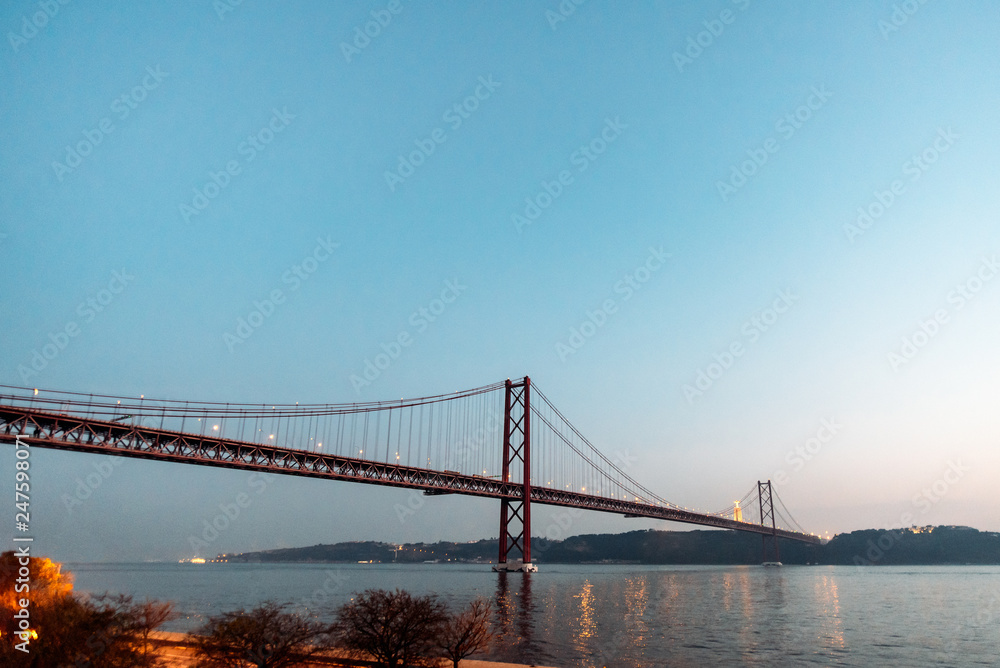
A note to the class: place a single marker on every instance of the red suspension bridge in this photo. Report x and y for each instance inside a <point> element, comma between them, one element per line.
<point>505,441</point>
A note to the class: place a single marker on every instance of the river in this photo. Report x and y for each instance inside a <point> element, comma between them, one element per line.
<point>635,616</point>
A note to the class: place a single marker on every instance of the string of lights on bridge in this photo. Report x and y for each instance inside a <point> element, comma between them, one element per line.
<point>459,432</point>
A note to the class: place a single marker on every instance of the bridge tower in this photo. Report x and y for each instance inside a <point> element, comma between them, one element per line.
<point>766,500</point>
<point>515,512</point>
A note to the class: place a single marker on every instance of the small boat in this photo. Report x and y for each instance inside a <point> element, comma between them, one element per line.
<point>515,565</point>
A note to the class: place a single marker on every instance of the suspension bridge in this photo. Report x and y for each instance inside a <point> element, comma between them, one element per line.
<point>505,441</point>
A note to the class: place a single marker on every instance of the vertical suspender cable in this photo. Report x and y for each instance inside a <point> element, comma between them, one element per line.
<point>409,441</point>
<point>388,435</point>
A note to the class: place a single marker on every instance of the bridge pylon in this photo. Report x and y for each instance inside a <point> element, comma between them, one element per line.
<point>766,500</point>
<point>515,511</point>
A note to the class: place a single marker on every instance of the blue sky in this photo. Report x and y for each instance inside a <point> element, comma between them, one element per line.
<point>881,103</point>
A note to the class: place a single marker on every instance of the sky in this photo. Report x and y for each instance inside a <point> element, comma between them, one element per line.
<point>779,219</point>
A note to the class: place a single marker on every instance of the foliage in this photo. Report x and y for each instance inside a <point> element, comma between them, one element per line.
<point>395,628</point>
<point>139,620</point>
<point>466,633</point>
<point>46,581</point>
<point>266,637</point>
<point>108,631</point>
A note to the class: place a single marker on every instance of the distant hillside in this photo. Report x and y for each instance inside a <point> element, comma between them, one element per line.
<point>915,546</point>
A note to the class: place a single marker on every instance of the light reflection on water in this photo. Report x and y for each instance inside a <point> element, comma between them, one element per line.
<point>636,616</point>
<point>587,624</point>
<point>828,604</point>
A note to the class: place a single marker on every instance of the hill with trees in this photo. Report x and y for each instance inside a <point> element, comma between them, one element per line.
<point>910,546</point>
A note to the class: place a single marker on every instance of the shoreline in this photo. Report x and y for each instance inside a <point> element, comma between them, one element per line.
<point>177,652</point>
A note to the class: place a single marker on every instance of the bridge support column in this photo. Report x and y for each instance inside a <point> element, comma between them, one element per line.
<point>766,499</point>
<point>515,510</point>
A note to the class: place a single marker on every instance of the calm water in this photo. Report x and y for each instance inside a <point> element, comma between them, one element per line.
<point>637,616</point>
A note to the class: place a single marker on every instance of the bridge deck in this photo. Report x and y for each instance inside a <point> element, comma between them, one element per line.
<point>82,434</point>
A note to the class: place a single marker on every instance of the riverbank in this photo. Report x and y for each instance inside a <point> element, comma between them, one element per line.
<point>177,652</point>
<point>641,616</point>
<point>924,546</point>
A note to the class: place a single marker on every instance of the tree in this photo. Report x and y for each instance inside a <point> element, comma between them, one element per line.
<point>265,637</point>
<point>137,621</point>
<point>394,627</point>
<point>46,581</point>
<point>466,633</point>
<point>67,630</point>
<point>108,631</point>
<point>88,632</point>
<point>150,615</point>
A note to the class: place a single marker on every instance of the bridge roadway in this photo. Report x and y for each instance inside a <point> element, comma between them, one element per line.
<point>82,434</point>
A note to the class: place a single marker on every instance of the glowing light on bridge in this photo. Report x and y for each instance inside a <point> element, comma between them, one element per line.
<point>422,430</point>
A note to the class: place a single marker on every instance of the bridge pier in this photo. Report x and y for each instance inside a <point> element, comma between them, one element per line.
<point>515,511</point>
<point>766,500</point>
<point>117,425</point>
